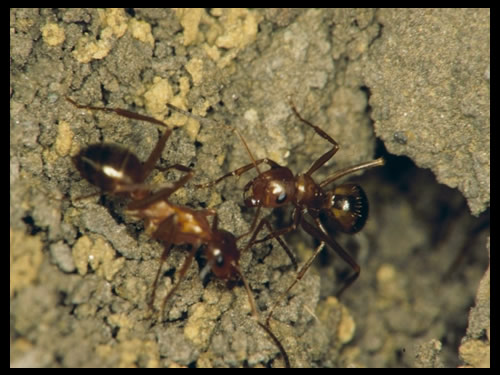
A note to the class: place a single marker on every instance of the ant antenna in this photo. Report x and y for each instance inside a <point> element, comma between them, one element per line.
<point>231,128</point>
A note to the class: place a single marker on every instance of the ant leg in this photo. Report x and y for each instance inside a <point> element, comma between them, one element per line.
<point>325,157</point>
<point>323,236</point>
<point>297,219</point>
<point>87,196</point>
<point>119,111</point>
<point>179,167</point>
<point>251,299</point>
<point>274,234</point>
<point>367,165</point>
<point>233,129</point>
<point>164,256</point>
<point>255,314</point>
<point>238,172</point>
<point>182,273</point>
<point>133,188</point>
<point>160,194</point>
<point>155,155</point>
<point>252,226</point>
<point>299,276</point>
<point>277,342</point>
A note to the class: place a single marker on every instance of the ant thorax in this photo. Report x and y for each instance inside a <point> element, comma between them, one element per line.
<point>308,193</point>
<point>188,222</point>
<point>153,215</point>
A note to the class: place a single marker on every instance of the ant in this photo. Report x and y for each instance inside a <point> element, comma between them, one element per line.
<point>176,225</point>
<point>116,170</point>
<point>344,207</point>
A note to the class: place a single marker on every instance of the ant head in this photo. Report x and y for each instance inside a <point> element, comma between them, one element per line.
<point>273,188</point>
<point>347,207</point>
<point>223,255</point>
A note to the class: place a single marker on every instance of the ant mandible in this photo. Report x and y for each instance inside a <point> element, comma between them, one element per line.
<point>345,206</point>
<point>117,171</point>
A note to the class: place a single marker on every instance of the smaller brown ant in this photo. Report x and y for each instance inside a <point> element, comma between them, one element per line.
<point>177,225</point>
<point>118,171</point>
<point>345,207</point>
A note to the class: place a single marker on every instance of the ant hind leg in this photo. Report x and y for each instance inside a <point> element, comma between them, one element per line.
<point>182,273</point>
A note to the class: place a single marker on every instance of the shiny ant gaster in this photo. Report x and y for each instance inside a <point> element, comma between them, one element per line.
<point>345,207</point>
<point>117,171</point>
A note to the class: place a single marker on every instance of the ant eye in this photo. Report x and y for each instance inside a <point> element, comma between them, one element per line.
<point>281,198</point>
<point>219,260</point>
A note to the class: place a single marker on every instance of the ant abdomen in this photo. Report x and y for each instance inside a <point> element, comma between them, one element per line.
<point>109,167</point>
<point>348,208</point>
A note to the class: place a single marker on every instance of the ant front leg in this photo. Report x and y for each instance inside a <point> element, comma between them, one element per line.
<point>238,172</point>
<point>325,157</point>
<point>276,234</point>
<point>179,167</point>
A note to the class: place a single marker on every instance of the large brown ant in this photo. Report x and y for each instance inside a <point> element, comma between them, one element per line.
<point>345,207</point>
<point>115,170</point>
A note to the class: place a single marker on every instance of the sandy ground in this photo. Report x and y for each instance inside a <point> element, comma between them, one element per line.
<point>409,85</point>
